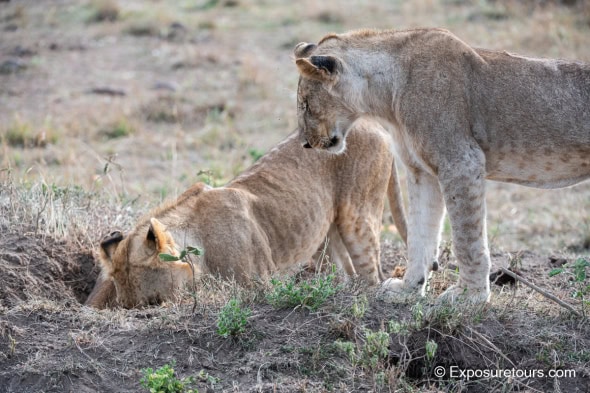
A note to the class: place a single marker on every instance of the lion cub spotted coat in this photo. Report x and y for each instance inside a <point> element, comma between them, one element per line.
<point>270,218</point>
<point>458,116</point>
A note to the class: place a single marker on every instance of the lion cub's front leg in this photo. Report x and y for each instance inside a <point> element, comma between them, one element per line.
<point>426,211</point>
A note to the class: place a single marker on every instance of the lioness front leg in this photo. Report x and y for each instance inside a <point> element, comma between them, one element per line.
<point>426,210</point>
<point>463,186</point>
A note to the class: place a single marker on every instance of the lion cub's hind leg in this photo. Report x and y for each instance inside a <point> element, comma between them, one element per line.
<point>360,235</point>
<point>337,252</point>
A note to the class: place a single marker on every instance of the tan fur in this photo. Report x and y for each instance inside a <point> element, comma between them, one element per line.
<point>269,219</point>
<point>103,294</point>
<point>458,115</point>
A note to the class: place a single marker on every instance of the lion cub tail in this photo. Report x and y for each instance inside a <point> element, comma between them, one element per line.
<point>396,205</point>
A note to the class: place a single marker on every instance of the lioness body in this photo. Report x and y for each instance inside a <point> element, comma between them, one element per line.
<point>269,219</point>
<point>458,116</point>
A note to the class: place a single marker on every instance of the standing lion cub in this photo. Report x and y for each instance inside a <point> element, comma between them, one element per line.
<point>459,116</point>
<point>270,218</point>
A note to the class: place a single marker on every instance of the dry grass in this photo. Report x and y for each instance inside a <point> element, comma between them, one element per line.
<point>243,65</point>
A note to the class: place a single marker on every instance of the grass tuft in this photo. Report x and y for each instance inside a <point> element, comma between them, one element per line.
<point>120,128</point>
<point>309,294</point>
<point>104,11</point>
<point>232,319</point>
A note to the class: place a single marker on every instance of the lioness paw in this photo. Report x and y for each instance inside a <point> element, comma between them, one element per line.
<point>394,290</point>
<point>456,294</point>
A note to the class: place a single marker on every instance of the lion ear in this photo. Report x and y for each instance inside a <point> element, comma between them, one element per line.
<point>160,238</point>
<point>321,68</point>
<point>108,246</point>
<point>303,49</point>
<point>109,243</point>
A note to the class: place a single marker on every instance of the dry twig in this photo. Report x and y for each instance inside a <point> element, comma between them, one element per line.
<point>541,291</point>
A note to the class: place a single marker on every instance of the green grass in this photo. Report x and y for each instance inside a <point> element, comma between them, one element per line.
<point>119,129</point>
<point>233,319</point>
<point>308,294</point>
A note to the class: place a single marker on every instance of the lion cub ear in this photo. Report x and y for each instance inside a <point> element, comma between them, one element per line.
<point>320,68</point>
<point>160,238</point>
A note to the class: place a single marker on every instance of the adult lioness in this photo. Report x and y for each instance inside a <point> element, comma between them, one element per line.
<point>270,218</point>
<point>459,115</point>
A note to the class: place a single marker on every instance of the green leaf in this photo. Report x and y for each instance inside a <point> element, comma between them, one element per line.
<point>555,272</point>
<point>580,269</point>
<point>168,258</point>
<point>194,250</point>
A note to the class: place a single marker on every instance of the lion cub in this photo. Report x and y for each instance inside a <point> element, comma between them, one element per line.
<point>269,219</point>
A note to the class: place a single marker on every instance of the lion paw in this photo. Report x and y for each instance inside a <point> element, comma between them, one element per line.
<point>394,290</point>
<point>456,294</point>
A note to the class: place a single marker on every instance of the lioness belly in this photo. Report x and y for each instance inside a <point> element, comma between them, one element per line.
<point>541,168</point>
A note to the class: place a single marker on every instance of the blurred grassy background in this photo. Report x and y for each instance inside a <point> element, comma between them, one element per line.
<point>136,100</point>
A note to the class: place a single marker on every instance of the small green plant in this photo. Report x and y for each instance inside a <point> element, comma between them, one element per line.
<point>370,354</point>
<point>359,306</point>
<point>232,319</point>
<point>579,273</point>
<point>375,349</point>
<point>209,379</point>
<point>418,315</point>
<point>401,328</point>
<point>255,154</point>
<point>119,129</point>
<point>182,256</point>
<point>163,380</point>
<point>349,349</point>
<point>431,346</point>
<point>210,177</point>
<point>309,294</point>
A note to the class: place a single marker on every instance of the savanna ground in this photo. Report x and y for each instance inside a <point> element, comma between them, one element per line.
<point>108,107</point>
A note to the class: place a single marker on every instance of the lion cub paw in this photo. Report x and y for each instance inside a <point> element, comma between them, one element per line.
<point>393,290</point>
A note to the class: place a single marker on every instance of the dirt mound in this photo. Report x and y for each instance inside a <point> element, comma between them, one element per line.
<point>354,342</point>
<point>40,267</point>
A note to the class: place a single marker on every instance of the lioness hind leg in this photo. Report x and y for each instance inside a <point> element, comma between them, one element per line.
<point>463,187</point>
<point>426,210</point>
<point>361,238</point>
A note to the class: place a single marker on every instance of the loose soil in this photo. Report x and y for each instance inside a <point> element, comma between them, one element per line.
<point>52,343</point>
